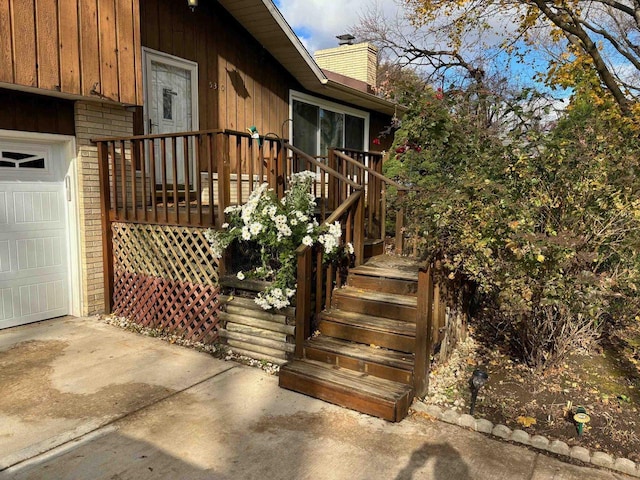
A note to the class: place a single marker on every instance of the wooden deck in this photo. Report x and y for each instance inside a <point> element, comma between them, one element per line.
<point>376,319</point>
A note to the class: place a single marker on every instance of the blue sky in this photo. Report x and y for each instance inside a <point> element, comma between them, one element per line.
<point>318,22</point>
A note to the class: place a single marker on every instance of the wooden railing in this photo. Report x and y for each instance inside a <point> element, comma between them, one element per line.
<point>183,178</point>
<point>350,214</point>
<point>366,168</point>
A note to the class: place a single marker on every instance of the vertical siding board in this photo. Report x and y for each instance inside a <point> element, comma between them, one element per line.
<point>108,49</point>
<point>165,39</point>
<point>6,57</point>
<point>47,44</point>
<point>257,96</point>
<point>223,115</point>
<point>201,51</point>
<point>149,31</point>
<point>178,11</point>
<point>89,52</point>
<point>24,45</point>
<point>69,47</point>
<point>137,53</point>
<point>213,109</point>
<point>126,54</point>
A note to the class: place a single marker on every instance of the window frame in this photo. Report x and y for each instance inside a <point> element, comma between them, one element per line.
<point>321,103</point>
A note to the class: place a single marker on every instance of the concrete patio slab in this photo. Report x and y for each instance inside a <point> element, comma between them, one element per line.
<point>224,421</point>
<point>64,378</point>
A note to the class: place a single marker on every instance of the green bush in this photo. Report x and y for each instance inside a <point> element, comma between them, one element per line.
<point>546,224</point>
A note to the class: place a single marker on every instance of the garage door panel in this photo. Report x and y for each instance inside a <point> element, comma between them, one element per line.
<point>37,207</point>
<point>34,271</point>
<point>30,300</point>
<point>4,213</point>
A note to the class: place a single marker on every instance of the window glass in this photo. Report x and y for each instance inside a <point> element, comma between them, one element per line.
<point>354,132</point>
<point>305,127</point>
<point>319,125</point>
<point>9,159</point>
<point>331,130</point>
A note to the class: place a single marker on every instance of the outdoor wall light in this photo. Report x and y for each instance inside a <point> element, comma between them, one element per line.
<point>192,4</point>
<point>476,382</point>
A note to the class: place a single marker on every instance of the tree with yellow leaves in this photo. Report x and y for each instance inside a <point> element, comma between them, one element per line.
<point>600,35</point>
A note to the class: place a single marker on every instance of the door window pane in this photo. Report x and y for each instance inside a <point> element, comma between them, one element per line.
<point>305,127</point>
<point>331,130</point>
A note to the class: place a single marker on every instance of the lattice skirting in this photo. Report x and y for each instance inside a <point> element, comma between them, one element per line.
<point>183,308</point>
<point>172,252</point>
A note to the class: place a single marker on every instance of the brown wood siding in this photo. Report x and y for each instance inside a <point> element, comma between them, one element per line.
<point>78,47</point>
<point>379,122</point>
<point>35,113</point>
<point>240,84</point>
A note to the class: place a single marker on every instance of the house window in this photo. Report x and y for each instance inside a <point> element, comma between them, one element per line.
<point>9,159</point>
<point>319,125</point>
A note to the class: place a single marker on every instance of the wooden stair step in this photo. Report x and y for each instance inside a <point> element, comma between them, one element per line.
<point>370,322</point>
<point>379,362</point>
<point>381,304</point>
<point>355,390</point>
<point>368,329</point>
<point>382,284</point>
<point>385,272</point>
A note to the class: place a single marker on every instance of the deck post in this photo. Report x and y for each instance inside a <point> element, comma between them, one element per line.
<point>224,177</point>
<point>424,334</point>
<point>303,299</point>
<point>400,224</point>
<point>358,230</point>
<point>105,213</point>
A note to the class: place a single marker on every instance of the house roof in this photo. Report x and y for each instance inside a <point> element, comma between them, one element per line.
<point>263,20</point>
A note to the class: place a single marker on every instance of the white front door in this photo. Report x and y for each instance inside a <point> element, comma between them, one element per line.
<point>34,234</point>
<point>171,94</point>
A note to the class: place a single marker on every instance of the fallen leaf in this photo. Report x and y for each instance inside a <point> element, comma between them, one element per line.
<point>526,421</point>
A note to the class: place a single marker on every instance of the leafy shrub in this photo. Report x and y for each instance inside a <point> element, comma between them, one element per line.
<point>545,224</point>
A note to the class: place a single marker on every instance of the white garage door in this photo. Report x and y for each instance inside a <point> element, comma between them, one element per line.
<point>34,271</point>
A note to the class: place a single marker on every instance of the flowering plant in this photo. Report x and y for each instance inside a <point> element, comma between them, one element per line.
<point>276,228</point>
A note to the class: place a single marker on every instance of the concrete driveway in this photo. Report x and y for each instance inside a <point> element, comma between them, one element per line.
<point>85,400</point>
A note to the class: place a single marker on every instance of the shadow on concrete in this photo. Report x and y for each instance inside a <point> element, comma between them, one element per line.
<point>111,456</point>
<point>447,463</point>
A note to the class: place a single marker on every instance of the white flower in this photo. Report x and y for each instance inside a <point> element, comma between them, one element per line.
<point>307,240</point>
<point>328,241</point>
<point>240,276</point>
<point>232,209</point>
<point>285,230</point>
<point>335,229</point>
<point>255,228</point>
<point>350,248</point>
<point>290,292</point>
<point>246,234</point>
<point>225,225</point>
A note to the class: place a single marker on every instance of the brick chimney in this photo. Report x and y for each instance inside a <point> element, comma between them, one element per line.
<point>356,61</point>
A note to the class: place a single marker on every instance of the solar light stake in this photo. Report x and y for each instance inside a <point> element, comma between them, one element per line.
<point>581,418</point>
<point>476,382</point>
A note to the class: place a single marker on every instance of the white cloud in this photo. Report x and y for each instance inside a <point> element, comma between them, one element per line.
<point>318,22</point>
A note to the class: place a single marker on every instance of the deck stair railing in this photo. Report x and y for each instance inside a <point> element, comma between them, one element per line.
<point>367,169</point>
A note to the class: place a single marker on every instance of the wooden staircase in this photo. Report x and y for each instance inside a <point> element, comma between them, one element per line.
<point>363,358</point>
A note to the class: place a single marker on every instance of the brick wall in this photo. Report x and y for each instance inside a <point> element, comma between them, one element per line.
<point>356,61</point>
<point>94,120</point>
